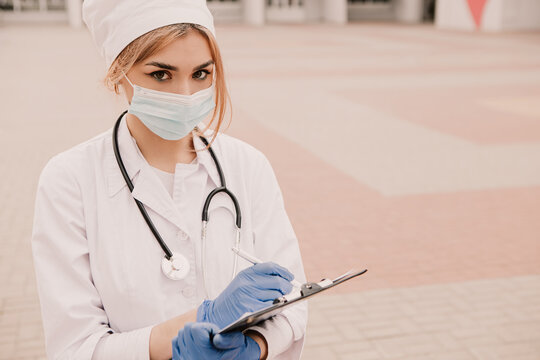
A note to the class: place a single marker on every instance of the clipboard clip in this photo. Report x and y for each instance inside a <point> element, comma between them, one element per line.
<point>310,288</point>
<point>306,289</point>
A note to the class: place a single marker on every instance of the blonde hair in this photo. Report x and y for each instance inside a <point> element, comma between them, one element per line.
<point>154,41</point>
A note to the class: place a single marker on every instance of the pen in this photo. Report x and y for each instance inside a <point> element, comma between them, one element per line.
<point>252,259</point>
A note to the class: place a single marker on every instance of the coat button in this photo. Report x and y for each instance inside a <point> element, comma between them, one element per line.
<point>188,291</point>
<point>182,235</point>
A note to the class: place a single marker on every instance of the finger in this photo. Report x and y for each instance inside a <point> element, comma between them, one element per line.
<point>277,283</point>
<point>176,343</point>
<point>229,341</point>
<point>184,345</point>
<point>201,332</point>
<point>175,351</point>
<point>270,268</point>
<point>262,295</point>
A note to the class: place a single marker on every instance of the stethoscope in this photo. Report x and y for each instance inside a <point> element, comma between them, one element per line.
<point>174,265</point>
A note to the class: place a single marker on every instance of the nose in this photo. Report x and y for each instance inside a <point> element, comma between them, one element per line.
<point>183,87</point>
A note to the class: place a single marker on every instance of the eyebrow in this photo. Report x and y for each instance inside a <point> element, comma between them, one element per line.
<point>202,66</point>
<point>174,68</point>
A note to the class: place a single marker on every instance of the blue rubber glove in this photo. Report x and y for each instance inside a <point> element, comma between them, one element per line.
<point>197,341</point>
<point>243,347</point>
<point>252,289</point>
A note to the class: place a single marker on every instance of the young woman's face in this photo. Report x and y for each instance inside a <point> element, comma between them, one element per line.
<point>183,67</point>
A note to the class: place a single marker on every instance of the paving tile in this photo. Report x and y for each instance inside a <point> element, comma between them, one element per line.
<point>353,346</point>
<point>458,355</point>
<point>383,332</point>
<point>504,351</point>
<point>349,332</point>
<point>318,353</point>
<point>364,355</point>
<point>406,345</point>
<point>324,339</point>
<point>512,332</point>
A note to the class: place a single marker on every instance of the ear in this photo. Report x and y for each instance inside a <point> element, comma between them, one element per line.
<point>126,89</point>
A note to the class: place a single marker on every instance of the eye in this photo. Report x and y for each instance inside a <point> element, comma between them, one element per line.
<point>201,74</point>
<point>160,75</point>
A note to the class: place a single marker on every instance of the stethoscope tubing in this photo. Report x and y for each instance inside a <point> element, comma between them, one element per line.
<point>157,235</point>
<point>233,198</point>
<point>205,218</point>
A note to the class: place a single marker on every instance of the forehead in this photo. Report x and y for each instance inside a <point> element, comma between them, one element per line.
<point>190,49</point>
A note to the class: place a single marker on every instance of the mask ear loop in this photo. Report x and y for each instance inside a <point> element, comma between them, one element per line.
<point>130,83</point>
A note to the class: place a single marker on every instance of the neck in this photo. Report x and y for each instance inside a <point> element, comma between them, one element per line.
<point>158,152</point>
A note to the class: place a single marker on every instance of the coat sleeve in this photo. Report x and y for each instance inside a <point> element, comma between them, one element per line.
<point>74,321</point>
<point>276,241</point>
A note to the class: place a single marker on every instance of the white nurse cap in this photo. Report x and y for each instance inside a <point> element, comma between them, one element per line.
<point>114,24</point>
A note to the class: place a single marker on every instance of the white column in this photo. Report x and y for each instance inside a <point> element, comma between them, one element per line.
<point>17,6</point>
<point>74,9</point>
<point>254,12</point>
<point>42,4</point>
<point>409,11</point>
<point>314,10</point>
<point>452,14</point>
<point>335,11</point>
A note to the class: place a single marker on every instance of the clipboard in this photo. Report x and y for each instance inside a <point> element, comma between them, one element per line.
<point>308,290</point>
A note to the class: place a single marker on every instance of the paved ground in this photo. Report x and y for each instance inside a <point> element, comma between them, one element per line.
<point>474,320</point>
<point>403,149</point>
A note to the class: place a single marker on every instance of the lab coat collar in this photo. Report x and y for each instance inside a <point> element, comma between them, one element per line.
<point>147,187</point>
<point>134,160</point>
<point>149,190</point>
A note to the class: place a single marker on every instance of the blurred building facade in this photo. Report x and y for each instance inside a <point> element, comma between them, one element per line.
<point>486,15</point>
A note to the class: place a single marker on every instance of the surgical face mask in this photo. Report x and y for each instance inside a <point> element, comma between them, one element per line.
<point>168,115</point>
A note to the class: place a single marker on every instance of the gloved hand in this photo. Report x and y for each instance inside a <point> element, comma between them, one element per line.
<point>252,289</point>
<point>197,341</point>
<point>241,346</point>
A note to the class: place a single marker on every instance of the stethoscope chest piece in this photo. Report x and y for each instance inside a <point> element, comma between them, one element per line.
<point>176,268</point>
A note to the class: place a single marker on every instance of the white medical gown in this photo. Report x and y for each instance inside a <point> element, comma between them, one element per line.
<point>98,266</point>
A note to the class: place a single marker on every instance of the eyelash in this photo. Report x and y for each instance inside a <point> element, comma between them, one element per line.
<point>162,72</point>
<point>203,71</point>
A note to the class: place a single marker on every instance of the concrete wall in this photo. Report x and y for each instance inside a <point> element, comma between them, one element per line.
<point>496,15</point>
<point>520,15</point>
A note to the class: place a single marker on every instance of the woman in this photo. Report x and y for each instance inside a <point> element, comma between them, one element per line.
<point>107,289</point>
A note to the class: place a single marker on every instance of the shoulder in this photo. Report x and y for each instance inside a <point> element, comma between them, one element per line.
<point>246,162</point>
<point>76,161</point>
<point>238,153</point>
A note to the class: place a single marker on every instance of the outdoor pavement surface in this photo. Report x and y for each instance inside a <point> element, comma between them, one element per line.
<point>407,150</point>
